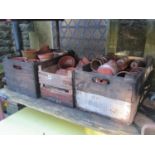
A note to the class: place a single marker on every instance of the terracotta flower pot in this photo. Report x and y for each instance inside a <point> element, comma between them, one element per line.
<point>46,56</point>
<point>66,61</point>
<point>122,63</point>
<point>44,49</point>
<point>85,61</point>
<point>105,71</point>
<point>136,64</point>
<point>109,68</point>
<point>82,62</point>
<point>97,62</point>
<point>30,54</point>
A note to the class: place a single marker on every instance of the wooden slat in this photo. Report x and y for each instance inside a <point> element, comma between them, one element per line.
<point>22,76</point>
<point>142,120</point>
<point>55,80</point>
<point>76,116</point>
<point>56,96</point>
<point>118,87</point>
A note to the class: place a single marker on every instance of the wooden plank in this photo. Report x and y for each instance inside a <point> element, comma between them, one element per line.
<point>142,121</point>
<point>82,118</point>
<point>55,80</point>
<point>105,106</point>
<point>118,87</point>
<point>56,96</point>
<point>21,76</point>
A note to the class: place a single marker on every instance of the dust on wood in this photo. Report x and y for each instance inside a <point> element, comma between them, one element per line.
<point>73,115</point>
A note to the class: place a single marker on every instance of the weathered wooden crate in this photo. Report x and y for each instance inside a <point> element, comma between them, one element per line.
<point>22,76</point>
<point>55,87</point>
<point>117,99</point>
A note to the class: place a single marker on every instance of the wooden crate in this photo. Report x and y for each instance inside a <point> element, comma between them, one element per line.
<point>22,76</point>
<point>54,87</point>
<point>118,99</point>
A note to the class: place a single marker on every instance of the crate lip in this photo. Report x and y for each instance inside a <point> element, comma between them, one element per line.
<point>22,62</point>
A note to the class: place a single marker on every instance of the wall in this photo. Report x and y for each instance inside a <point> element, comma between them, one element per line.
<point>132,36</point>
<point>34,34</point>
<point>150,42</point>
<point>86,37</point>
<point>6,42</point>
<point>150,45</point>
<point>41,35</point>
<point>25,28</point>
<point>127,35</point>
<point>112,37</point>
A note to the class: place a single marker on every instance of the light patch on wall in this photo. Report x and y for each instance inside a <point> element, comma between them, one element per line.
<point>42,34</point>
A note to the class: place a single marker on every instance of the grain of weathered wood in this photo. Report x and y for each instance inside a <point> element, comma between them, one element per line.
<point>141,120</point>
<point>118,87</point>
<point>87,119</point>
<point>118,98</point>
<point>146,125</point>
<point>55,87</point>
<point>59,81</point>
<point>58,96</point>
<point>22,76</point>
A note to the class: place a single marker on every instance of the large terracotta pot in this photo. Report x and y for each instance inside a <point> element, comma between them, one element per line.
<point>66,61</point>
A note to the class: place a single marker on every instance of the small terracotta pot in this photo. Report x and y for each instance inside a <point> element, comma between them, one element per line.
<point>136,64</point>
<point>30,54</point>
<point>82,62</point>
<point>85,61</point>
<point>109,68</point>
<point>105,71</point>
<point>66,61</point>
<point>44,57</point>
<point>44,49</point>
<point>123,63</point>
<point>96,63</point>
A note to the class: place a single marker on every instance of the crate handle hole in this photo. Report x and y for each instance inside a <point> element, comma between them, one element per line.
<point>101,81</point>
<point>17,67</point>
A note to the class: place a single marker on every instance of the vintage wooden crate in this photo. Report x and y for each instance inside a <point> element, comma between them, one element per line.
<point>22,76</point>
<point>117,99</point>
<point>55,87</point>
